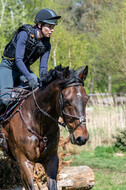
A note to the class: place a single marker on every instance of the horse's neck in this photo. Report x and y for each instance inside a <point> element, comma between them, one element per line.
<point>47,99</point>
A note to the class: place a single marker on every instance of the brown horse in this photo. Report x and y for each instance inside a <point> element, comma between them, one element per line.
<point>32,130</point>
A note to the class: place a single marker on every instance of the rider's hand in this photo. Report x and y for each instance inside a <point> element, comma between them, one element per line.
<point>44,77</point>
<point>47,77</point>
<point>32,84</point>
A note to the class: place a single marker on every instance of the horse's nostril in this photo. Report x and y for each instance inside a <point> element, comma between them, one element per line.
<point>81,141</point>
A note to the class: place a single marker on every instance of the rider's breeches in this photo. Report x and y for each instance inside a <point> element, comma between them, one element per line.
<point>8,75</point>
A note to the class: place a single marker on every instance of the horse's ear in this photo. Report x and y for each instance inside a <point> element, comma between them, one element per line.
<point>66,72</point>
<point>83,73</point>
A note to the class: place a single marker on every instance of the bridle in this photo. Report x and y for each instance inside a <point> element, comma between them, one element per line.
<point>43,139</point>
<point>82,119</point>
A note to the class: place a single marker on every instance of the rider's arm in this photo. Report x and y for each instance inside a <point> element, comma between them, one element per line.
<point>44,61</point>
<point>19,54</point>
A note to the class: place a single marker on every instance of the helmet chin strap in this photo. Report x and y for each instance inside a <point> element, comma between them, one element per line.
<point>41,29</point>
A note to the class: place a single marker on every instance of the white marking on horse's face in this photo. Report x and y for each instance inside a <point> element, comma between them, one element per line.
<point>78,94</point>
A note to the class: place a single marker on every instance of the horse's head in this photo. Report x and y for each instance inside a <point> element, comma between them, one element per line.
<point>72,101</point>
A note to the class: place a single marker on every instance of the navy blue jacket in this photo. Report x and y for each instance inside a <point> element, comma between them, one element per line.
<point>24,49</point>
<point>20,51</point>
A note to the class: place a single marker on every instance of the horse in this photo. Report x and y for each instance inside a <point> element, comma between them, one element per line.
<point>32,130</point>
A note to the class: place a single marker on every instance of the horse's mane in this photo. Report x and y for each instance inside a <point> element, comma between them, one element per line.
<point>66,75</point>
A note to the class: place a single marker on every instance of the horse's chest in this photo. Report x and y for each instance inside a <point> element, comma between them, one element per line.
<point>50,148</point>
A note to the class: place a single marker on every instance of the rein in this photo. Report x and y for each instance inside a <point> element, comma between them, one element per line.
<point>82,119</point>
<point>45,113</point>
<point>44,140</point>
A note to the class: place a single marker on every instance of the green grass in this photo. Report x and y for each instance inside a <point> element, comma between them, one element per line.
<point>109,169</point>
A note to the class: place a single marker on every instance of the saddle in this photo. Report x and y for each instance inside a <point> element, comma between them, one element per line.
<point>16,96</point>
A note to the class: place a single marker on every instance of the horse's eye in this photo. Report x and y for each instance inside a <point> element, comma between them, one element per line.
<point>67,102</point>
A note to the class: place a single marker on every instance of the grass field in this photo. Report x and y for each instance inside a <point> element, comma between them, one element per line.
<point>103,122</point>
<point>108,165</point>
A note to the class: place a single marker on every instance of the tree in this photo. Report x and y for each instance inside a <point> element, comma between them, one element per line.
<point>90,32</point>
<point>110,42</point>
<point>11,17</point>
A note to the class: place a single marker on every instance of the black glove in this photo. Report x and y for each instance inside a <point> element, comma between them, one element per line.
<point>32,84</point>
<point>44,77</point>
<point>47,77</point>
<point>56,74</point>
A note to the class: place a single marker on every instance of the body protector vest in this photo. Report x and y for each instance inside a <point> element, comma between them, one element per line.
<point>33,50</point>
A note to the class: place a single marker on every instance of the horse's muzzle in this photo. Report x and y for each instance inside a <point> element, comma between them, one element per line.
<point>79,140</point>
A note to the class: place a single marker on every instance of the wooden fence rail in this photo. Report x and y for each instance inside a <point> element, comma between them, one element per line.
<point>107,99</point>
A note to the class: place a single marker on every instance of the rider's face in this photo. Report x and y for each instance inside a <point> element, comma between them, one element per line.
<point>47,29</point>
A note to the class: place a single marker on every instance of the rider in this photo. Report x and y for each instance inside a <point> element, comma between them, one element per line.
<point>27,45</point>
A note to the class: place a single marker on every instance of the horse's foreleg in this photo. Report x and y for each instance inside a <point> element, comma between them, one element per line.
<point>51,168</point>
<point>26,169</point>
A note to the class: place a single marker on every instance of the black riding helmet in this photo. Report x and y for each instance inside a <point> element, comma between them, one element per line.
<point>47,16</point>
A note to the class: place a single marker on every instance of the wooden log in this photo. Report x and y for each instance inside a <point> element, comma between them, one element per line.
<point>73,178</point>
<point>79,177</point>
